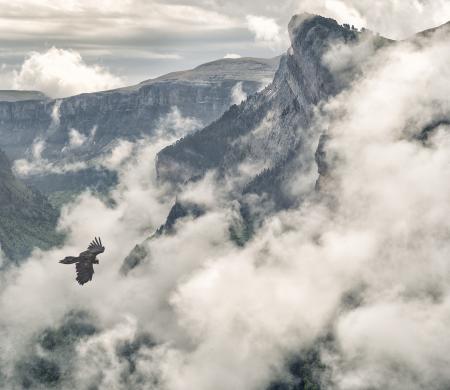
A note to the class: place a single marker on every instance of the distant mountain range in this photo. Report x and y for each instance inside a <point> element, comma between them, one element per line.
<point>203,93</point>
<point>29,118</point>
<point>18,96</point>
<point>100,119</point>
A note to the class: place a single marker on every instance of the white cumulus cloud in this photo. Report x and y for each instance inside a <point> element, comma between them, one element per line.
<point>238,94</point>
<point>60,73</point>
<point>266,30</point>
<point>232,55</point>
<point>76,138</point>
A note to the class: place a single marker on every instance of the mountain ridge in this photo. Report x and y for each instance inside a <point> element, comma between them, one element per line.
<point>214,69</point>
<point>100,119</point>
<point>273,123</point>
<point>14,95</point>
<point>128,112</point>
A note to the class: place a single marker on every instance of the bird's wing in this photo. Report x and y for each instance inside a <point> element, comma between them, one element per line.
<point>96,246</point>
<point>86,256</point>
<point>69,260</point>
<point>85,270</point>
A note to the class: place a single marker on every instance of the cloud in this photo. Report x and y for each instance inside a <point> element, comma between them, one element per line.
<point>141,39</point>
<point>76,139</point>
<point>363,264</point>
<point>394,19</point>
<point>37,164</point>
<point>136,39</point>
<point>383,241</point>
<point>237,94</point>
<point>140,206</point>
<point>232,55</point>
<point>113,156</point>
<point>385,180</point>
<point>118,154</point>
<point>266,30</point>
<point>176,125</point>
<point>55,115</point>
<point>61,73</point>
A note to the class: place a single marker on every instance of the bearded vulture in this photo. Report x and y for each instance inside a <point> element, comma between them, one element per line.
<point>84,263</point>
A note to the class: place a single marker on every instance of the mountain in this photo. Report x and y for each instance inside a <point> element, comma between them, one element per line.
<point>80,129</point>
<point>246,69</point>
<point>270,136</point>
<point>274,130</point>
<point>27,219</point>
<point>178,211</point>
<point>273,127</point>
<point>203,93</point>
<point>325,297</point>
<point>17,96</point>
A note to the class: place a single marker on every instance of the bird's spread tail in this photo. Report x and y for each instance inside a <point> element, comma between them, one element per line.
<point>69,260</point>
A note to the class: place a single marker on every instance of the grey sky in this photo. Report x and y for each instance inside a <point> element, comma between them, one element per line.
<point>137,39</point>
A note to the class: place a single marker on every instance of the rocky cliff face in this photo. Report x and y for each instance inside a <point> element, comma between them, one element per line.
<point>27,220</point>
<point>266,132</point>
<point>203,93</point>
<point>78,130</point>
<point>141,252</point>
<point>261,143</point>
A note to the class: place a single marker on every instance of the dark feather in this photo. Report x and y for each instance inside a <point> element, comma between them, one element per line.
<point>85,271</point>
<point>69,260</point>
<point>96,247</point>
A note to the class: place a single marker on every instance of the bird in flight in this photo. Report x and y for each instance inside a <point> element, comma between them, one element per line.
<point>85,261</point>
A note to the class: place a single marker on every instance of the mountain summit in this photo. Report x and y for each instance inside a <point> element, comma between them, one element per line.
<point>271,127</point>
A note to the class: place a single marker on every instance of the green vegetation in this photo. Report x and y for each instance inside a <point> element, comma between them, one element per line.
<point>75,326</point>
<point>304,372</point>
<point>50,361</point>
<point>59,198</point>
<point>27,219</point>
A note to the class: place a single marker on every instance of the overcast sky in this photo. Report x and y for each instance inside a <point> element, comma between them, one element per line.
<point>108,43</point>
